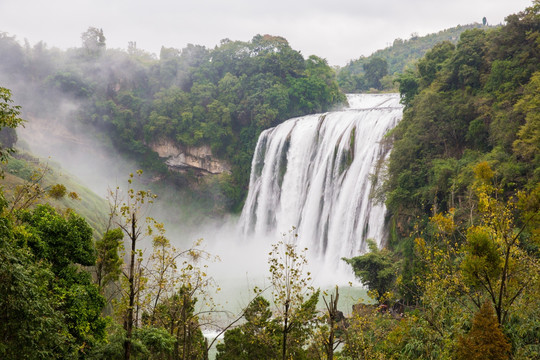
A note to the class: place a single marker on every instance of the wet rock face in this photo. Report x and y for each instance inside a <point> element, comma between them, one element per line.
<point>197,158</point>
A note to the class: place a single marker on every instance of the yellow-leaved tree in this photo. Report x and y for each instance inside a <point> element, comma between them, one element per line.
<point>497,261</point>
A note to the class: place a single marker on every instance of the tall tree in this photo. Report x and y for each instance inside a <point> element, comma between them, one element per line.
<point>294,296</point>
<point>176,280</point>
<point>485,340</point>
<point>334,318</point>
<point>131,216</point>
<point>93,41</point>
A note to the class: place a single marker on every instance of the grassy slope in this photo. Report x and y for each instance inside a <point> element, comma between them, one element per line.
<point>20,169</point>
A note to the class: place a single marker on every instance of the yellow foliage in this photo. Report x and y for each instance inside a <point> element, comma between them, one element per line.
<point>483,172</point>
<point>445,222</point>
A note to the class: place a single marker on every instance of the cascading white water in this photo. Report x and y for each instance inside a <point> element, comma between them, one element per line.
<point>317,172</point>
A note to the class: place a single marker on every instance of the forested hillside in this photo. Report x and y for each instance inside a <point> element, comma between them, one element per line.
<point>467,104</point>
<point>222,97</point>
<point>377,70</point>
<point>463,194</point>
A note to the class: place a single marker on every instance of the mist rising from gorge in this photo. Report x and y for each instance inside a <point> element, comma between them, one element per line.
<point>54,130</point>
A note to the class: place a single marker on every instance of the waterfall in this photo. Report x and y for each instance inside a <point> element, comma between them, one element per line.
<point>317,173</point>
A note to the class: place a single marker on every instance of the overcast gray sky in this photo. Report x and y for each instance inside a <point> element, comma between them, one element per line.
<point>338,30</point>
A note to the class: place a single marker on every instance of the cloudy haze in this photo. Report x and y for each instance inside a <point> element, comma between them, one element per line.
<point>338,30</point>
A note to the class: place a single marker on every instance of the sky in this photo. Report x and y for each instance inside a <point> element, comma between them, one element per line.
<point>337,30</point>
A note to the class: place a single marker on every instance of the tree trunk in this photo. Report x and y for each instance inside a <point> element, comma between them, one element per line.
<point>332,316</point>
<point>177,347</point>
<point>285,331</point>
<point>128,323</point>
<point>184,327</point>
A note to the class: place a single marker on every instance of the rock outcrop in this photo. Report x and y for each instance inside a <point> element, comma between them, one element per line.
<point>196,158</point>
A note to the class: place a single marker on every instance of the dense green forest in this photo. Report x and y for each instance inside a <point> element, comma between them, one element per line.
<point>222,97</point>
<point>458,279</point>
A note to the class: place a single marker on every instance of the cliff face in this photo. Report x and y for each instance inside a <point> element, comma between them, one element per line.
<point>196,158</point>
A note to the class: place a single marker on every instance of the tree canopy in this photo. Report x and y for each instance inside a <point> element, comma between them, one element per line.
<point>221,97</point>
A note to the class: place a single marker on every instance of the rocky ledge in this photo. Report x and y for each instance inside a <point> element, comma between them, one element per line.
<point>196,158</point>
